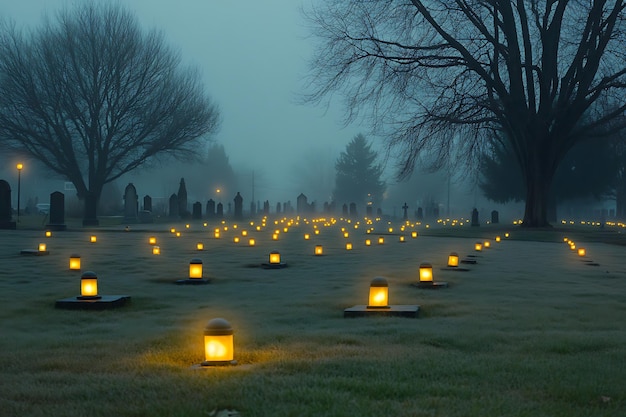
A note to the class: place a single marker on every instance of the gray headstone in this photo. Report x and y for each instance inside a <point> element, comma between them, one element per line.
<point>196,213</point>
<point>57,211</point>
<point>475,221</point>
<point>344,210</point>
<point>131,204</point>
<point>5,206</point>
<point>405,207</point>
<point>278,208</point>
<point>302,204</point>
<point>210,209</point>
<point>147,203</point>
<point>238,200</point>
<point>495,217</point>
<point>173,206</point>
<point>219,211</point>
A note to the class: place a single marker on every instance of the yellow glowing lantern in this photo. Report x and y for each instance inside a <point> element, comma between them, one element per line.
<point>274,258</point>
<point>572,246</point>
<point>199,246</point>
<point>346,235</point>
<point>251,242</point>
<point>478,246</point>
<point>275,236</point>
<point>42,247</point>
<point>414,234</point>
<point>379,293</point>
<point>506,235</point>
<point>317,232</point>
<point>402,239</point>
<point>307,236</point>
<point>177,234</point>
<point>319,250</point>
<point>216,233</point>
<point>368,242</point>
<point>498,239</point>
<point>582,252</point>
<point>286,229</point>
<point>426,272</point>
<point>93,238</point>
<point>453,259</point>
<point>172,230</point>
<point>75,262</point>
<point>195,268</point>
<point>236,239</point>
<point>218,343</point>
<point>152,240</point>
<point>89,285</point>
<point>348,246</point>
<point>244,233</point>
<point>48,233</point>
<point>156,250</point>
<point>487,244</point>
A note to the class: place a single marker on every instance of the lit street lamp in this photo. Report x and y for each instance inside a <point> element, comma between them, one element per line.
<point>19,175</point>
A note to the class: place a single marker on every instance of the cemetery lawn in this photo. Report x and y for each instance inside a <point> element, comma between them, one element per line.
<point>531,330</point>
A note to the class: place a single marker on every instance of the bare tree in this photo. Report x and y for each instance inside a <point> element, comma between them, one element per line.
<point>441,76</point>
<point>93,97</point>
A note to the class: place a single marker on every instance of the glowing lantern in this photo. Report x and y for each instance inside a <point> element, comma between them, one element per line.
<point>506,235</point>
<point>381,240</point>
<point>426,273</point>
<point>152,240</point>
<point>93,238</point>
<point>177,234</point>
<point>368,242</point>
<point>307,236</point>
<point>572,246</point>
<point>478,246</point>
<point>48,233</point>
<point>498,239</point>
<point>75,262</point>
<point>89,285</point>
<point>487,244</point>
<point>195,268</point>
<point>453,260</point>
<point>172,230</point>
<point>582,252</point>
<point>379,293</point>
<point>199,246</point>
<point>236,239</point>
<point>413,234</point>
<point>187,226</point>
<point>251,242</point>
<point>274,258</point>
<point>390,230</point>
<point>156,250</point>
<point>275,236</point>
<point>216,233</point>
<point>317,232</point>
<point>42,247</point>
<point>346,235</point>
<point>348,246</point>
<point>218,343</point>
<point>402,239</point>
<point>244,233</point>
<point>319,250</point>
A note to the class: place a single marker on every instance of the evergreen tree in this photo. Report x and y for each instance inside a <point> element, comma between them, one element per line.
<point>358,176</point>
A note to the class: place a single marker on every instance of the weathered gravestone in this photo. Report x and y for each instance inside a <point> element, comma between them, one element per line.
<point>475,221</point>
<point>238,200</point>
<point>353,212</point>
<point>147,203</point>
<point>302,204</point>
<point>173,206</point>
<point>278,208</point>
<point>131,204</point>
<point>220,211</point>
<point>252,209</point>
<point>266,207</point>
<point>420,213</point>
<point>6,214</point>
<point>495,217</point>
<point>57,211</point>
<point>344,210</point>
<point>196,213</point>
<point>182,200</point>
<point>405,216</point>
<point>210,208</point>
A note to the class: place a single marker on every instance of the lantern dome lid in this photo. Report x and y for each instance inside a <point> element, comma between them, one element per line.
<point>454,254</point>
<point>218,327</point>
<point>379,282</point>
<point>425,265</point>
<point>75,255</point>
<point>196,261</point>
<point>89,274</point>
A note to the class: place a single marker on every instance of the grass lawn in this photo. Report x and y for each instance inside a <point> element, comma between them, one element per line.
<point>530,330</point>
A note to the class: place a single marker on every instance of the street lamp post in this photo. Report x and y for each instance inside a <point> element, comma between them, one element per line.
<point>19,175</point>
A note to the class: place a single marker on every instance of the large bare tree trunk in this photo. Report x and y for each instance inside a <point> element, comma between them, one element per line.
<point>90,213</point>
<point>537,198</point>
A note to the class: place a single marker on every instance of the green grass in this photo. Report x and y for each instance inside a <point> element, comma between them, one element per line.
<point>529,331</point>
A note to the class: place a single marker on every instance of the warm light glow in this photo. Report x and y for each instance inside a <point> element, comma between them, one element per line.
<point>274,257</point>
<point>42,247</point>
<point>506,235</point>
<point>89,284</point>
<point>478,246</point>
<point>346,235</point>
<point>216,233</point>
<point>413,234</point>
<point>195,268</point>
<point>218,342</point>
<point>74,262</point>
<point>348,246</point>
<point>200,246</point>
<point>368,242</point>
<point>19,166</point>
<point>236,239</point>
<point>244,233</point>
<point>319,250</point>
<point>251,242</point>
<point>48,233</point>
<point>402,239</point>
<point>572,246</point>
<point>275,236</point>
<point>156,250</point>
<point>177,234</point>
<point>582,252</point>
<point>487,244</point>
<point>187,226</point>
<point>379,293</point>
<point>93,239</point>
<point>381,240</point>
<point>453,259</point>
<point>172,230</point>
<point>426,272</point>
<point>307,236</point>
<point>317,232</point>
<point>152,240</point>
<point>498,239</point>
